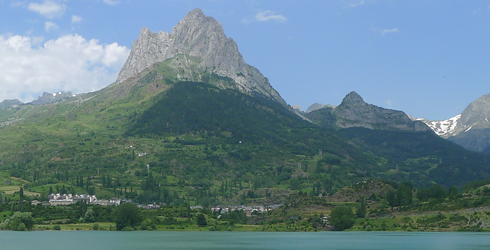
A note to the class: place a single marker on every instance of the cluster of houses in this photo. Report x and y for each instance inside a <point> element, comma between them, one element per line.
<point>68,199</point>
<point>149,206</point>
<point>249,210</point>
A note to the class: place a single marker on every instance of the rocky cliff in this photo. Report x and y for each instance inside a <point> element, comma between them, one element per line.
<point>202,37</point>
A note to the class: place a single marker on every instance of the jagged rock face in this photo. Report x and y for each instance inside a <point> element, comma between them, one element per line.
<point>47,98</point>
<point>202,37</point>
<point>354,112</point>
<point>476,115</point>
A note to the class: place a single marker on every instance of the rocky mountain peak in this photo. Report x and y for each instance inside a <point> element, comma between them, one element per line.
<point>194,14</point>
<point>354,112</point>
<point>352,99</point>
<point>477,114</point>
<point>202,37</point>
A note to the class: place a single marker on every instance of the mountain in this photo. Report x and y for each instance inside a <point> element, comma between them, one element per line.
<point>470,129</point>
<point>178,131</point>
<point>444,128</point>
<point>202,46</point>
<point>354,112</point>
<point>316,106</point>
<point>47,98</point>
<point>404,143</point>
<point>9,103</point>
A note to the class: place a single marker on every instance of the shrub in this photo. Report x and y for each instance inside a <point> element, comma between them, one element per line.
<point>201,220</point>
<point>18,222</point>
<point>127,215</point>
<point>342,218</point>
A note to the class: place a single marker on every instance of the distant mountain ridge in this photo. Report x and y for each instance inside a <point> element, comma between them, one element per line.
<point>47,98</point>
<point>354,112</point>
<point>9,103</point>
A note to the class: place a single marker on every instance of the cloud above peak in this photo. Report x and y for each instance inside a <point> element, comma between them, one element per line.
<point>111,2</point>
<point>386,31</point>
<point>76,19</point>
<point>48,26</point>
<point>268,15</point>
<point>48,9</point>
<point>353,4</point>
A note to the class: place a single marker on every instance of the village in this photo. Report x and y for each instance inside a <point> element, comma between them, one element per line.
<point>69,199</point>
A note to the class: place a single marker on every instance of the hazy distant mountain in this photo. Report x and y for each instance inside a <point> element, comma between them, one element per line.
<point>317,105</point>
<point>9,103</point>
<point>47,98</point>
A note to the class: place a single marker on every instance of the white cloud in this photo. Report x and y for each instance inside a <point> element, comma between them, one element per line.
<point>69,63</point>
<point>246,20</point>
<point>35,40</point>
<point>111,2</point>
<point>353,4</point>
<point>48,9</point>
<point>383,32</point>
<point>269,16</point>
<point>76,19</point>
<point>389,103</point>
<point>48,26</point>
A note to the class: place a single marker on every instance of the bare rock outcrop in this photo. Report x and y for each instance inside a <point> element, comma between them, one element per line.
<point>201,37</point>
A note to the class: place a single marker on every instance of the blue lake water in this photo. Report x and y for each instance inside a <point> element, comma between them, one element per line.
<point>66,240</point>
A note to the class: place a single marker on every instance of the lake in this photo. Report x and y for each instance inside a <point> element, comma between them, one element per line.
<point>65,240</point>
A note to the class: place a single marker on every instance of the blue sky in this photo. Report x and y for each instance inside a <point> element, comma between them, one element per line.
<point>427,58</point>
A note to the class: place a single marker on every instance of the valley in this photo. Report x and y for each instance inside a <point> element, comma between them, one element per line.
<point>187,126</point>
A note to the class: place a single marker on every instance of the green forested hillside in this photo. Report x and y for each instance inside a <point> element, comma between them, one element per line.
<point>155,138</point>
<point>422,157</point>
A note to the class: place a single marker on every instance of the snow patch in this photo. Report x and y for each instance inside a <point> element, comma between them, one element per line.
<point>445,127</point>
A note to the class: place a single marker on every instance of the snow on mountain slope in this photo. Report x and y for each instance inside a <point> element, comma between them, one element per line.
<point>443,128</point>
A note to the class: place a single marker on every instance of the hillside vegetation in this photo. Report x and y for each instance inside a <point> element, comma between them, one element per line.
<point>166,136</point>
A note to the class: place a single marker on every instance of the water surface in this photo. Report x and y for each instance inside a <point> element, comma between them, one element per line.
<point>67,240</point>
